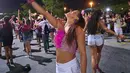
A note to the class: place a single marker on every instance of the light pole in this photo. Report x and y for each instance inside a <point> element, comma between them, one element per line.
<point>91,4</point>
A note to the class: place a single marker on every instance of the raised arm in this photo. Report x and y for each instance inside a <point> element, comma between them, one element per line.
<point>82,49</point>
<point>19,21</point>
<point>102,24</point>
<point>11,19</point>
<point>41,10</point>
<point>18,15</point>
<point>29,13</point>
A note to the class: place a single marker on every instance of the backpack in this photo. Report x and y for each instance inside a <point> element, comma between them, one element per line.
<point>46,29</point>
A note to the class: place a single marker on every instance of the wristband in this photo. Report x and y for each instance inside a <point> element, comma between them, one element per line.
<point>30,1</point>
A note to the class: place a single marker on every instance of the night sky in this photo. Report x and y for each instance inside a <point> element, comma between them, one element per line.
<point>10,5</point>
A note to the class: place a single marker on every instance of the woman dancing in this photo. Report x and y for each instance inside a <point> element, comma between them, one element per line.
<point>68,39</point>
<point>95,38</point>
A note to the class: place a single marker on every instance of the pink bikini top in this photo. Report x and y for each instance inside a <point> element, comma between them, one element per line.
<point>60,42</point>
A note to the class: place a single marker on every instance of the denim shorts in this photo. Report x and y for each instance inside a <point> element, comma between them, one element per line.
<point>27,37</point>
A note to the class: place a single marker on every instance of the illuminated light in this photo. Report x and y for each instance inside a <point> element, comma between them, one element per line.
<point>91,4</point>
<point>108,9</point>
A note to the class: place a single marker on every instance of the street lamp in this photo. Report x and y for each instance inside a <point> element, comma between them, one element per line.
<point>122,8</point>
<point>65,8</point>
<point>91,4</point>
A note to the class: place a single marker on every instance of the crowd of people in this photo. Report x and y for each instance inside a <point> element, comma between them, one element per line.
<point>23,30</point>
<point>119,23</point>
<point>67,34</point>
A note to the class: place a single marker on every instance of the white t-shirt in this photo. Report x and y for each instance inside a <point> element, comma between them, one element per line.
<point>117,24</point>
<point>43,23</point>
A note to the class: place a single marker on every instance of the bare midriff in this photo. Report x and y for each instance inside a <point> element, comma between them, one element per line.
<point>64,56</point>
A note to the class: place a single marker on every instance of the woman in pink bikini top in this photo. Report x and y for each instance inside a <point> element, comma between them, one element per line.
<point>68,39</point>
<point>60,42</point>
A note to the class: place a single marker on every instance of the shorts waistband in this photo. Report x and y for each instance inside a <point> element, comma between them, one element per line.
<point>68,64</point>
<point>95,34</point>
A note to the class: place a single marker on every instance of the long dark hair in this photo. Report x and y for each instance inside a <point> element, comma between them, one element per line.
<point>93,22</point>
<point>7,24</point>
<point>71,35</point>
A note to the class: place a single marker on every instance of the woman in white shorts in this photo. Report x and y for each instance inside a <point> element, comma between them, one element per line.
<point>95,38</point>
<point>118,26</point>
<point>69,38</point>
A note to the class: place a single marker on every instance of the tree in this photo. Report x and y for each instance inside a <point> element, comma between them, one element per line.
<point>55,6</point>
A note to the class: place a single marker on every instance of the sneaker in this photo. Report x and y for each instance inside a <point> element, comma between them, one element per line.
<point>27,56</point>
<point>118,41</point>
<point>30,54</point>
<point>39,47</point>
<point>11,61</point>
<point>122,41</point>
<point>8,63</point>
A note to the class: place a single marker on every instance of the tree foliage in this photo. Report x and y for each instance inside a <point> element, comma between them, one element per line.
<point>54,6</point>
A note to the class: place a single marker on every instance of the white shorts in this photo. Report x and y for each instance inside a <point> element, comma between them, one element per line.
<point>95,40</point>
<point>72,66</point>
<point>118,31</point>
<point>108,26</point>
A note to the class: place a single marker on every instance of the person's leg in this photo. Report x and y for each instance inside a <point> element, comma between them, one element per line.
<point>26,45</point>
<point>20,36</point>
<point>28,49</point>
<point>117,32</point>
<point>44,42</point>
<point>93,58</point>
<point>47,41</point>
<point>7,53</point>
<point>38,40</point>
<point>99,50</point>
<point>11,54</point>
<point>0,49</point>
<point>121,33</point>
<point>37,37</point>
<point>128,27</point>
